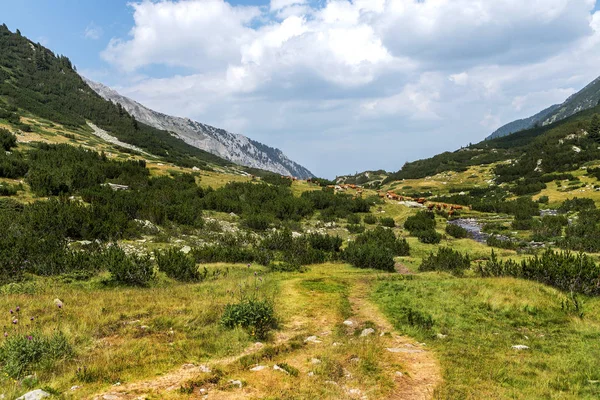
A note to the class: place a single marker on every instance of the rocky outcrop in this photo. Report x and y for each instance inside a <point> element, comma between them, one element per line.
<point>233,147</point>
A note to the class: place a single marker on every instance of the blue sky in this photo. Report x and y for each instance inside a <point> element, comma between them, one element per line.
<point>340,86</point>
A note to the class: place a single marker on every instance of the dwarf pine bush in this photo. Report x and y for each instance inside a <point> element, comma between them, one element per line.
<point>178,265</point>
<point>447,260</point>
<point>563,270</point>
<point>457,231</point>
<point>131,269</point>
<point>388,222</point>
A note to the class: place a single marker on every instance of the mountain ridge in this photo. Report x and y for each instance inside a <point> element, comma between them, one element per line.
<point>233,147</point>
<point>586,98</point>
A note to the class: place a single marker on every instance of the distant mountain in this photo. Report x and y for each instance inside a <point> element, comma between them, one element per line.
<point>522,124</point>
<point>233,147</point>
<point>585,99</point>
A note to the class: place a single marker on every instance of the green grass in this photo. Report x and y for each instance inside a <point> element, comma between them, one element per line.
<point>122,334</point>
<point>483,319</point>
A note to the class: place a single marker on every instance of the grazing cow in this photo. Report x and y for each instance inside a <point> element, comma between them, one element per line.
<point>431,206</point>
<point>450,213</point>
<point>445,206</point>
<point>439,207</point>
<point>421,200</point>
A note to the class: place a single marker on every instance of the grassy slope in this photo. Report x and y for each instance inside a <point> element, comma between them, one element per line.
<point>483,319</point>
<point>105,322</point>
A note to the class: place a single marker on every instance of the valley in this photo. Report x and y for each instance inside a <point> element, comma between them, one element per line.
<point>134,265</point>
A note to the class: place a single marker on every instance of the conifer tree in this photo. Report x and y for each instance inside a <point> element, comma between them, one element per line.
<point>595,128</point>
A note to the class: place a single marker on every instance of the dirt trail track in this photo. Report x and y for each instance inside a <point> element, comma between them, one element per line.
<point>409,368</point>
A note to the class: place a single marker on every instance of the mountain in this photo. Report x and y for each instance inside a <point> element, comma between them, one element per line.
<point>36,81</point>
<point>522,124</point>
<point>547,150</point>
<point>585,99</point>
<point>233,147</point>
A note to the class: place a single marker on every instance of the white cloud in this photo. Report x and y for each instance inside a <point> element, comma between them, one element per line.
<point>93,31</point>
<point>460,79</point>
<point>420,76</point>
<point>277,5</point>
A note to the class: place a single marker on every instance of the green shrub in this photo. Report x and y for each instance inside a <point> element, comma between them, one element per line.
<point>543,200</point>
<point>258,222</point>
<point>254,315</point>
<point>457,231</point>
<point>583,233</point>
<point>370,219</point>
<point>385,238</point>
<point>576,204</point>
<point>422,221</point>
<point>129,269</point>
<point>422,225</point>
<point>178,265</point>
<point>388,222</point>
<point>563,270</point>
<point>447,260</point>
<point>7,140</point>
<point>325,242</point>
<point>355,228</point>
<point>494,241</point>
<point>429,236</point>
<point>289,369</point>
<point>282,266</point>
<point>353,219</point>
<point>549,227</point>
<point>22,354</point>
<point>418,319</point>
<point>8,190</point>
<point>369,255</point>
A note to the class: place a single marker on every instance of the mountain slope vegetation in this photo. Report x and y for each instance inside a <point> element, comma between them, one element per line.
<point>33,78</point>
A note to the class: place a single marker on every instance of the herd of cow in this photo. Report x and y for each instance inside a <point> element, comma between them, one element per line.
<point>450,208</point>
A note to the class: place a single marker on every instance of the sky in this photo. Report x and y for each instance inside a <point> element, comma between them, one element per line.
<point>341,86</point>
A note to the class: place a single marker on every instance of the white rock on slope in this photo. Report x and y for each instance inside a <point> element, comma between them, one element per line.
<point>233,147</point>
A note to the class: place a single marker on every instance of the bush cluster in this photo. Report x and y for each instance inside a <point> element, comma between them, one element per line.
<point>7,140</point>
<point>376,249</point>
<point>178,265</point>
<point>422,225</point>
<point>255,315</point>
<point>447,260</point>
<point>387,222</point>
<point>576,205</point>
<point>457,231</point>
<point>563,270</point>
<point>134,270</point>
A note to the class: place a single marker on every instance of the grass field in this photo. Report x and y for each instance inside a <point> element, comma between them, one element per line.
<point>479,320</point>
<point>449,337</point>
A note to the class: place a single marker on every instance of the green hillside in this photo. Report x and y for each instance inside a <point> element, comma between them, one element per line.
<point>34,79</point>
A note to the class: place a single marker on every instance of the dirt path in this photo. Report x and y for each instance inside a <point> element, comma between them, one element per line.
<point>422,371</point>
<point>337,357</point>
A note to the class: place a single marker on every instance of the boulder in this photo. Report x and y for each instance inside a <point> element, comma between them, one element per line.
<point>35,395</point>
<point>367,332</point>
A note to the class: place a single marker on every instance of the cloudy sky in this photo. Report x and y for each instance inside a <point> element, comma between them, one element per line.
<point>340,86</point>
